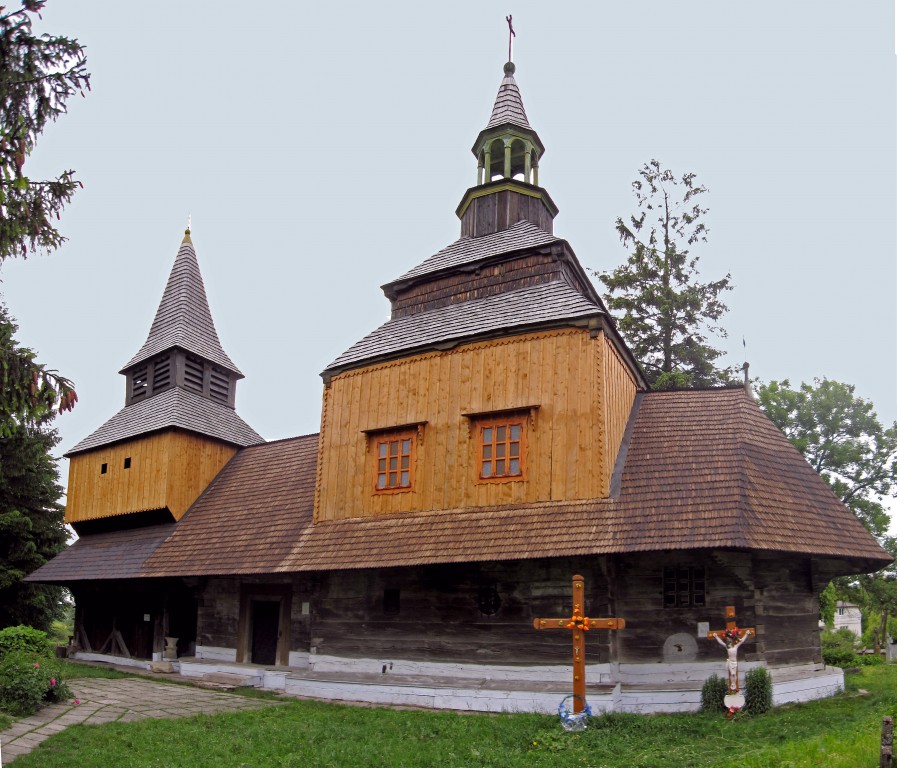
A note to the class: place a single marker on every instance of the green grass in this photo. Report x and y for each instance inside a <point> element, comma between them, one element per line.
<point>841,732</point>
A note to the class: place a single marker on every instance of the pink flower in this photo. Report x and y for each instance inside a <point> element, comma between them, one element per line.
<point>36,665</point>
<point>77,702</point>
<point>52,681</point>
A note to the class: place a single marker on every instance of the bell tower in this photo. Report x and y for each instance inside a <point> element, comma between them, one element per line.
<point>508,152</point>
<point>178,428</point>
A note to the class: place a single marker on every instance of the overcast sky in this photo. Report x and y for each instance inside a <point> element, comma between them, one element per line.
<point>322,148</point>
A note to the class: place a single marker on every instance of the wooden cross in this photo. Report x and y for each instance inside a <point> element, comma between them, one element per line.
<point>511,35</point>
<point>733,630</point>
<point>579,624</point>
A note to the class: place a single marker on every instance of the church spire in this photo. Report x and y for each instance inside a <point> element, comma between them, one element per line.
<point>182,349</point>
<point>183,318</point>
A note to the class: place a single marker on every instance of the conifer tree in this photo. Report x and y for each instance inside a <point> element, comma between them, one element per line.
<point>663,312</point>
<point>38,74</point>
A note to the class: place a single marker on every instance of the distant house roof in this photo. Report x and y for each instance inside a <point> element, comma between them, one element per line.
<point>703,470</point>
<point>173,408</point>
<point>183,318</point>
<point>512,310</point>
<point>467,250</point>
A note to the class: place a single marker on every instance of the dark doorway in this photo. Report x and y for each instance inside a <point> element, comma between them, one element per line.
<point>265,630</point>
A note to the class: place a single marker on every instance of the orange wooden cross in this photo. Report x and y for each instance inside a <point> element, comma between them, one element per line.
<point>737,635</point>
<point>579,624</point>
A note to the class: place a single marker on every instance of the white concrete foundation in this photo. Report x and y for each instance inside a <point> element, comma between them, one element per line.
<point>641,688</point>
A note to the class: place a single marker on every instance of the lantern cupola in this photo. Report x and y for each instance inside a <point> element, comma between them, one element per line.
<point>508,152</point>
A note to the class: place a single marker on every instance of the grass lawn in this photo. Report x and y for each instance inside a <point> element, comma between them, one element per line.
<point>841,732</point>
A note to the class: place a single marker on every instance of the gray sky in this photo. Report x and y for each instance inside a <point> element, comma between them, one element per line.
<point>322,148</point>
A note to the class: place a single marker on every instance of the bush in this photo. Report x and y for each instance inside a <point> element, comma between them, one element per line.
<point>25,639</point>
<point>758,693</point>
<point>839,648</point>
<point>28,681</point>
<point>712,694</point>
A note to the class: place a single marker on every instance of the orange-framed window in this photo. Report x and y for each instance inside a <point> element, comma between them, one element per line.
<point>501,448</point>
<point>394,462</point>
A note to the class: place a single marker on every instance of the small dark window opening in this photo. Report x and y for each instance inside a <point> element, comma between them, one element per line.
<point>684,587</point>
<point>391,601</point>
<point>128,463</point>
<point>103,468</point>
<point>488,599</point>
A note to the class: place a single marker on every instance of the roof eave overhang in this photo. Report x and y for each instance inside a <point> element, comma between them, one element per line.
<point>520,131</point>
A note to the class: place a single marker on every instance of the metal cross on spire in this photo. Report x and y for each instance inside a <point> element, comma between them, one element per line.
<point>511,35</point>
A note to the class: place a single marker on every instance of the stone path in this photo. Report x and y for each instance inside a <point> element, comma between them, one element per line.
<point>107,701</point>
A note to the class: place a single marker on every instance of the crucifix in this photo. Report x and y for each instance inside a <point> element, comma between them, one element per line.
<point>731,639</point>
<point>579,624</point>
<point>511,35</point>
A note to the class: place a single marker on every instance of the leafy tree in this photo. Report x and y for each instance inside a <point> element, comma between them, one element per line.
<point>841,437</point>
<point>664,313</point>
<point>31,528</point>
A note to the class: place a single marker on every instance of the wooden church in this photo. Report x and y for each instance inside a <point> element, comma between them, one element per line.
<point>492,439</point>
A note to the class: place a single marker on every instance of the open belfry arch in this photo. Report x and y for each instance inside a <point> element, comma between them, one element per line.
<point>490,440</point>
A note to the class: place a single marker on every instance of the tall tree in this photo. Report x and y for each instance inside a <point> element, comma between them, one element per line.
<point>664,312</point>
<point>38,74</point>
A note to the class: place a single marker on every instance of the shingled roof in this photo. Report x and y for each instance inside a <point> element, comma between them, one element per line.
<point>703,470</point>
<point>516,310</point>
<point>508,107</point>
<point>183,318</point>
<point>468,250</point>
<point>178,408</point>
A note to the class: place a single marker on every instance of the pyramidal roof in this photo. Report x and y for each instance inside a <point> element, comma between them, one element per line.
<point>183,318</point>
<point>508,106</point>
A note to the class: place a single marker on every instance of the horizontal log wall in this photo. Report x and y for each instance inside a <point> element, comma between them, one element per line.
<point>558,371</point>
<point>167,470</point>
<point>438,618</point>
<point>638,590</point>
<point>492,279</point>
<point>787,609</point>
<point>437,615</point>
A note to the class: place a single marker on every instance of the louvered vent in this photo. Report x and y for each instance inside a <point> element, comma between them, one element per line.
<point>193,374</point>
<point>161,373</point>
<point>219,385</point>
<point>138,383</point>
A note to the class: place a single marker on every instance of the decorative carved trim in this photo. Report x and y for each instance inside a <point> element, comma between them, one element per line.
<point>472,416</point>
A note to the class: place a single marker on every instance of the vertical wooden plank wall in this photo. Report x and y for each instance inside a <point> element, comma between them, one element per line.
<point>558,371</point>
<point>618,396</point>
<point>169,469</point>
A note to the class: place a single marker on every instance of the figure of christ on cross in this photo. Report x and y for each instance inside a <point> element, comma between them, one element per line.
<point>731,638</point>
<point>579,624</point>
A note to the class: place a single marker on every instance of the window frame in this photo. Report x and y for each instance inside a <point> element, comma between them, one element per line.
<point>497,421</point>
<point>385,438</point>
<point>680,574</point>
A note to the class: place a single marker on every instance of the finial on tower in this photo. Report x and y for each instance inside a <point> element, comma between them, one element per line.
<point>511,35</point>
<point>187,231</point>
<point>745,366</point>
